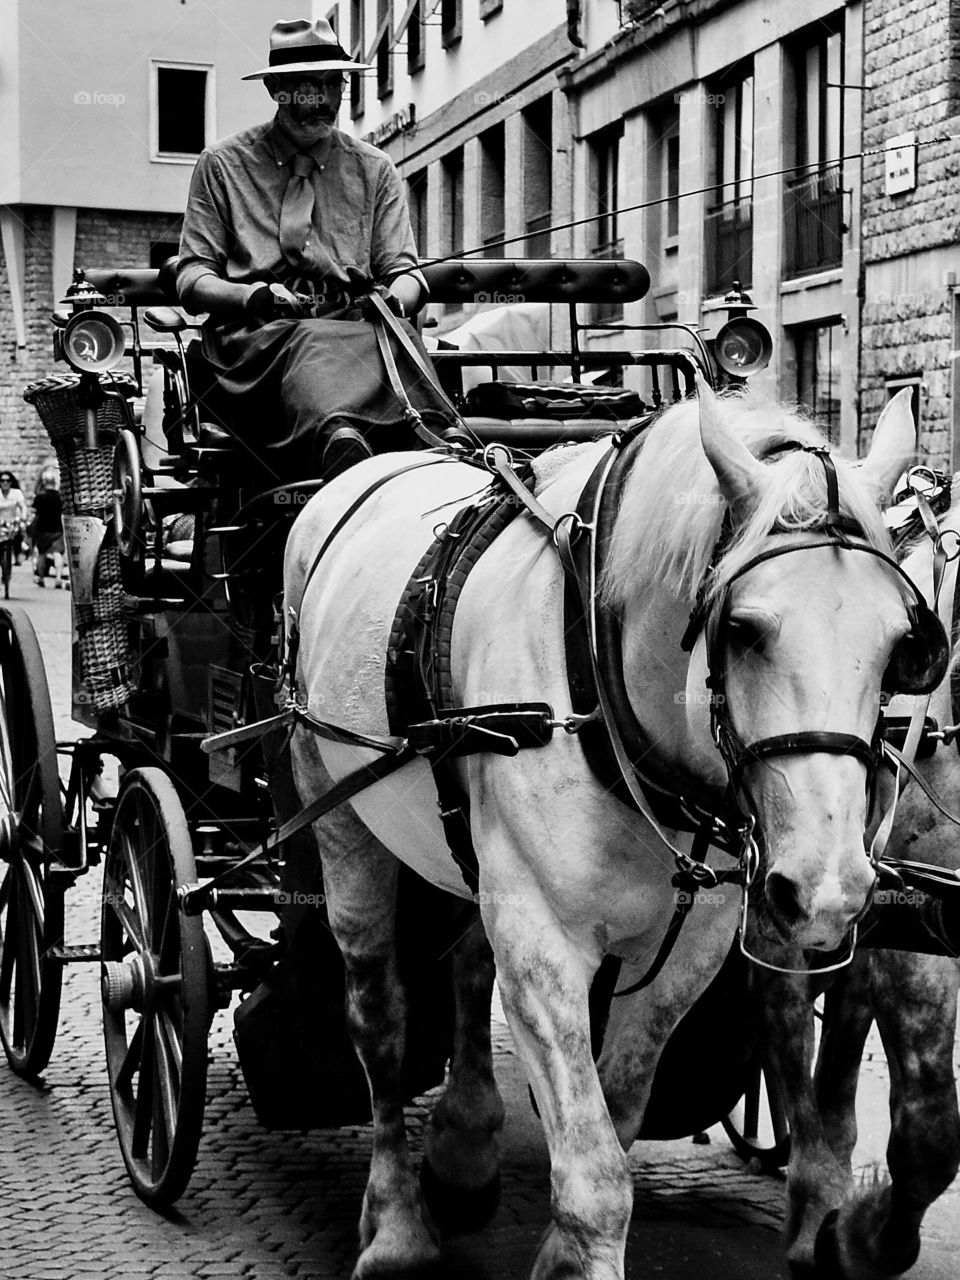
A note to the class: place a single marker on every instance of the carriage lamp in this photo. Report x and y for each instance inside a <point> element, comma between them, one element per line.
<point>743,346</point>
<point>92,342</point>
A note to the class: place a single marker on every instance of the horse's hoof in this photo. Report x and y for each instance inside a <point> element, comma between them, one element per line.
<point>826,1250</point>
<point>458,1210</point>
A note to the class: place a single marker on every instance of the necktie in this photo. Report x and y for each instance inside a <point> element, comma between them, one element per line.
<point>296,212</point>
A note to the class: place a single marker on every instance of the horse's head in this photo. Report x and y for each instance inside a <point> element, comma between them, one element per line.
<point>806,628</point>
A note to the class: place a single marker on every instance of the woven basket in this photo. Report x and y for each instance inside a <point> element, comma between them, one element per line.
<point>104,660</point>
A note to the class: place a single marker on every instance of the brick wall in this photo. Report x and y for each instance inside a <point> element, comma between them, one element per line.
<point>105,238</point>
<point>911,79</point>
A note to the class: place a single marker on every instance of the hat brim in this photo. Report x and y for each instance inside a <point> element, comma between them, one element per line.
<point>312,68</point>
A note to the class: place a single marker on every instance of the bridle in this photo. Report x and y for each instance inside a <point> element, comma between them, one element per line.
<point>737,755</point>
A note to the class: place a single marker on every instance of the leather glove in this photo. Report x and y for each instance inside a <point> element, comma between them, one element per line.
<point>268,301</point>
<point>370,312</point>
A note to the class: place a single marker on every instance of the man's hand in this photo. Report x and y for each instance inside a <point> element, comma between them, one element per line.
<point>269,301</point>
<point>393,304</point>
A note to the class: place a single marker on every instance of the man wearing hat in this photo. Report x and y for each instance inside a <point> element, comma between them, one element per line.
<point>277,217</point>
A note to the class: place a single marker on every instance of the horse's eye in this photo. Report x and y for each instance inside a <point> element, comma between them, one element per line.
<point>748,632</point>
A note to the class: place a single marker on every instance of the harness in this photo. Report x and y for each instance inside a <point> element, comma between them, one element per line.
<point>419,684</point>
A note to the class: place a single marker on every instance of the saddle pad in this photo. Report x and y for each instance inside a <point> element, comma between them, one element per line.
<point>553,400</point>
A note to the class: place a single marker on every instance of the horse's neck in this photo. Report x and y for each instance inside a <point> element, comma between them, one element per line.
<point>668,692</point>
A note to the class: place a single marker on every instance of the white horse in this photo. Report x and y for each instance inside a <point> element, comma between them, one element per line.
<point>834,1226</point>
<point>567,872</point>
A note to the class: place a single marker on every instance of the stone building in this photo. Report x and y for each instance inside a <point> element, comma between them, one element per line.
<point>715,140</point>
<point>911,215</point>
<point>105,108</point>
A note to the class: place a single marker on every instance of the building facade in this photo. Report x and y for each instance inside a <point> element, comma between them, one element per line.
<point>104,109</point>
<point>718,141</point>
<point>911,215</point>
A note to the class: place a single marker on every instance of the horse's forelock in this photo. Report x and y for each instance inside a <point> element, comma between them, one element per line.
<point>672,510</point>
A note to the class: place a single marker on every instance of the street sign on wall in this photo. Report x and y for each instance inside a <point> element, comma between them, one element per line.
<point>900,154</point>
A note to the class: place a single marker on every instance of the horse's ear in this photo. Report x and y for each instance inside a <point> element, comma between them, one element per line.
<point>740,474</point>
<point>893,447</point>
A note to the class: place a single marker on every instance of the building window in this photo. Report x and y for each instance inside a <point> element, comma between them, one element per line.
<point>813,205</point>
<point>728,231</point>
<point>667,170</point>
<point>416,44</point>
<point>452,202</point>
<point>603,158</point>
<point>384,56</point>
<point>818,374</point>
<point>492,163</point>
<point>538,177</point>
<point>417,204</point>
<point>182,107</point>
<point>451,22</point>
<point>356,52</point>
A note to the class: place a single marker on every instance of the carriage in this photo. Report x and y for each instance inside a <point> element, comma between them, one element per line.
<point>179,658</point>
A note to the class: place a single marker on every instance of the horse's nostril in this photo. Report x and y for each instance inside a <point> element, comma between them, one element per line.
<point>782,898</point>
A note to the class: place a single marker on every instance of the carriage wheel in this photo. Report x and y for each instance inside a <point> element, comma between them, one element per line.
<point>757,1127</point>
<point>128,510</point>
<point>31,833</point>
<point>156,999</point>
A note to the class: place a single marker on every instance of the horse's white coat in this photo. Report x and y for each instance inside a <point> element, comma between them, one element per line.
<point>568,874</point>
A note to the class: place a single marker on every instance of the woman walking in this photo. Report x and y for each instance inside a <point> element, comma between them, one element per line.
<point>48,529</point>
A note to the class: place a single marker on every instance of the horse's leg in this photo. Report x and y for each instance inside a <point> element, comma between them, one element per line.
<point>360,885</point>
<point>460,1174</point>
<point>877,1233</point>
<point>816,1180</point>
<point>543,978</point>
<point>846,1023</point>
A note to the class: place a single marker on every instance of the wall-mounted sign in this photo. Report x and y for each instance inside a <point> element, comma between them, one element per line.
<point>900,154</point>
<point>398,123</point>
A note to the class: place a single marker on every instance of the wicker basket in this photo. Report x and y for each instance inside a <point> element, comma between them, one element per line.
<point>103,676</point>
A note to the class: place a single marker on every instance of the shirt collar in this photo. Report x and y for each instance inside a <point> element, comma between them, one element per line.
<point>283,149</point>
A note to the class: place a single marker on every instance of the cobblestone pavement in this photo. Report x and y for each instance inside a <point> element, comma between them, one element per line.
<point>268,1205</point>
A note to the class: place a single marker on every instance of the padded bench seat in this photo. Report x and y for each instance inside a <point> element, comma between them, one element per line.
<point>541,433</point>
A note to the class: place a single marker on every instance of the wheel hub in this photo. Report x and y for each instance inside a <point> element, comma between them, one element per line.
<point>126,984</point>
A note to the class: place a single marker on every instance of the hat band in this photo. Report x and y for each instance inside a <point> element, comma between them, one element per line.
<point>313,53</point>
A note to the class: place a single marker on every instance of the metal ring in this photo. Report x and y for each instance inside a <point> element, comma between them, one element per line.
<point>950,555</point>
<point>487,455</point>
<point>577,526</point>
<point>928,476</point>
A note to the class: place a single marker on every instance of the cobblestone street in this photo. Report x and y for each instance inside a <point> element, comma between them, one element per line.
<point>268,1205</point>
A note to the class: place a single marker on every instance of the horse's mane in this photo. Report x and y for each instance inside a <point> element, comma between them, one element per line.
<point>671,511</point>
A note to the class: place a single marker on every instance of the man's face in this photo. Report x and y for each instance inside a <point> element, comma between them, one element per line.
<point>307,104</point>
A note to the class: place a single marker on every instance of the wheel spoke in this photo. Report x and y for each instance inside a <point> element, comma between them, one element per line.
<point>171,1040</point>
<point>8,957</point>
<point>167,1082</point>
<point>143,1107</point>
<point>131,1061</point>
<point>114,897</point>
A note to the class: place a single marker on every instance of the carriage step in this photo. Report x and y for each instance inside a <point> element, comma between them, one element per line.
<point>82,953</point>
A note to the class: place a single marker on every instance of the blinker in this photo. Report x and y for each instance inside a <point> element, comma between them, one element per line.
<point>920,660</point>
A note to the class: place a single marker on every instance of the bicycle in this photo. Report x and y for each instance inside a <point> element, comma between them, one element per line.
<point>9,532</point>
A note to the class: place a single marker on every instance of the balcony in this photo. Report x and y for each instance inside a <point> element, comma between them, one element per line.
<point>813,222</point>
<point>728,246</point>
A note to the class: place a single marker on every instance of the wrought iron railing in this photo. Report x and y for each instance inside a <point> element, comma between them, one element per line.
<point>728,246</point>
<point>813,222</point>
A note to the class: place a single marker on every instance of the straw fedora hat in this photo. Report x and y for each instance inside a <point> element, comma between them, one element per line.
<point>298,46</point>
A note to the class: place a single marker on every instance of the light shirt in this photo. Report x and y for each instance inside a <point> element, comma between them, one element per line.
<point>232,222</point>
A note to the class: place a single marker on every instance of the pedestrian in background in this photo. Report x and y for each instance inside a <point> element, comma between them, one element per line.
<point>13,505</point>
<point>48,545</point>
